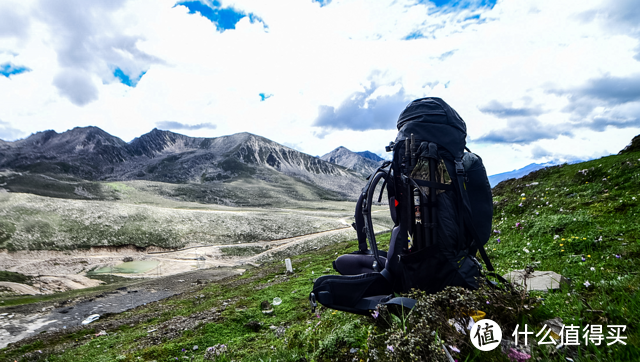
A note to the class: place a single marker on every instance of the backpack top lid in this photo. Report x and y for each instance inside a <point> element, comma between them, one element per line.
<point>432,119</point>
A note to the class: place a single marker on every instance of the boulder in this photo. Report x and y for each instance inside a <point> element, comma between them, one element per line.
<point>537,280</point>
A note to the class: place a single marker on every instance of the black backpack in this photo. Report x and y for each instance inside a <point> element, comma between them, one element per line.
<point>441,204</point>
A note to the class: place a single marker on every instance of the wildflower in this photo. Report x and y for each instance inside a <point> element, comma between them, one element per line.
<point>522,194</point>
<point>375,314</point>
<point>525,250</point>
<point>488,302</point>
<point>617,256</point>
<point>517,224</point>
<point>520,204</point>
<point>562,250</point>
<point>583,259</point>
<point>524,198</point>
<point>390,348</point>
<point>498,240</point>
<point>556,237</point>
<point>587,284</point>
<point>563,239</point>
<point>537,213</point>
<point>593,269</point>
<point>562,244</point>
<point>547,202</point>
<point>584,238</point>
<point>588,256</point>
<point>453,348</point>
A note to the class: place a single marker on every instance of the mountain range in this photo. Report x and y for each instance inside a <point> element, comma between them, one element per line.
<point>89,153</point>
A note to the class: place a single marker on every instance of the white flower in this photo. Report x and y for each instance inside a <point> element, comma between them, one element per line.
<point>556,237</point>
<point>587,284</point>
<point>525,250</point>
<point>593,269</point>
<point>522,194</point>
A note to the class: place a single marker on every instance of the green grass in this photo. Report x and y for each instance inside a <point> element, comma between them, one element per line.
<point>595,217</point>
<point>7,276</point>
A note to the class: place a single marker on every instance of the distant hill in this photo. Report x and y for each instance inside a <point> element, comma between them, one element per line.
<point>497,178</point>
<point>89,153</point>
<point>353,160</point>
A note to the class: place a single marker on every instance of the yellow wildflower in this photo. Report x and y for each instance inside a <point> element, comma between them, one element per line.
<point>562,244</point>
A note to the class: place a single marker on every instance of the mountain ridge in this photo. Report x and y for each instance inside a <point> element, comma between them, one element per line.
<point>93,154</point>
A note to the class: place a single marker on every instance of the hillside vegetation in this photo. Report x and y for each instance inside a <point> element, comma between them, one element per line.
<point>578,220</point>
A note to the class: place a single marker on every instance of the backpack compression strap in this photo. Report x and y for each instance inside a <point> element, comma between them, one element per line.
<point>467,214</point>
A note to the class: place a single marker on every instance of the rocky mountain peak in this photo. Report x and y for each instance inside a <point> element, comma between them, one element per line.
<point>344,157</point>
<point>370,155</point>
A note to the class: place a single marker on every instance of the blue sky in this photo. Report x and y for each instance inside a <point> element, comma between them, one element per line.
<point>8,69</point>
<point>535,81</point>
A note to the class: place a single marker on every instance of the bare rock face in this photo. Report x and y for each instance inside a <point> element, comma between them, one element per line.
<point>90,153</point>
<point>634,146</point>
<point>361,162</point>
<point>536,280</point>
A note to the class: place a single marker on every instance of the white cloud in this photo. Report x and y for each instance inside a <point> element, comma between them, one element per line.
<point>312,56</point>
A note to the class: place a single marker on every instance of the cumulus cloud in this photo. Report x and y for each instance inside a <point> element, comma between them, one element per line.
<point>88,40</point>
<point>364,110</point>
<point>13,22</point>
<point>602,91</point>
<point>621,17</point>
<point>178,125</point>
<point>499,110</point>
<point>77,86</point>
<point>524,130</point>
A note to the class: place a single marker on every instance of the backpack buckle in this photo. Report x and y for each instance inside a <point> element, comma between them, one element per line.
<point>459,167</point>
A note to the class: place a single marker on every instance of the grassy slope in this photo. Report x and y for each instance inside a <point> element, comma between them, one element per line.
<point>591,205</point>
